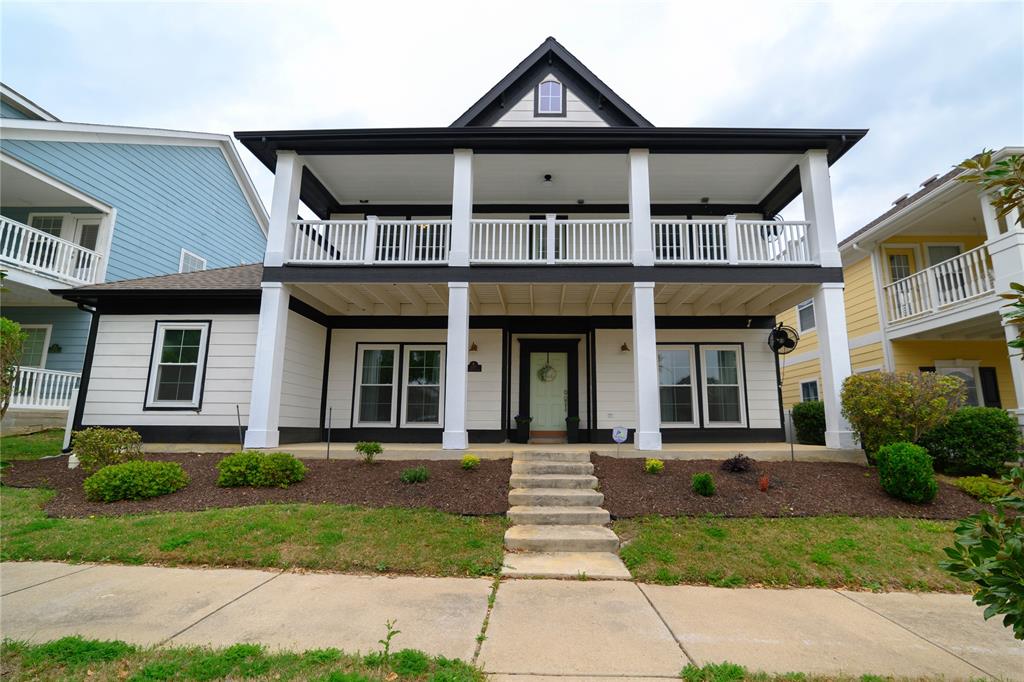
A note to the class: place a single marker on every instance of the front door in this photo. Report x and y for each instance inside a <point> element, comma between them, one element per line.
<point>549,393</point>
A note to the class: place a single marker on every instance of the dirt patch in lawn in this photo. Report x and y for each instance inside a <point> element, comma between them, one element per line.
<point>796,489</point>
<point>449,488</point>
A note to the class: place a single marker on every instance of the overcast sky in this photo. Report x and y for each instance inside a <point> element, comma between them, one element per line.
<point>935,82</point>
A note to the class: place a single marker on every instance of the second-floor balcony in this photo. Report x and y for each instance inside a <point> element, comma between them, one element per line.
<point>37,252</point>
<point>552,241</point>
<point>943,286</point>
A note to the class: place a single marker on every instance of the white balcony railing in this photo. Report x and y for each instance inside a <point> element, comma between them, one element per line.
<point>34,250</point>
<point>940,286</point>
<point>43,389</point>
<point>513,241</point>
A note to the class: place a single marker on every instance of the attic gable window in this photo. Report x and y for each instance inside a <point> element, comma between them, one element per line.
<point>550,99</point>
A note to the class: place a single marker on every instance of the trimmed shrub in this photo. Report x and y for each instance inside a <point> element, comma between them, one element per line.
<point>97,447</point>
<point>369,449</point>
<point>260,470</point>
<point>809,422</point>
<point>891,407</point>
<point>653,466</point>
<point>984,488</point>
<point>975,440</point>
<point>415,475</point>
<point>703,484</point>
<point>737,465</point>
<point>135,480</point>
<point>905,472</point>
<point>470,462</point>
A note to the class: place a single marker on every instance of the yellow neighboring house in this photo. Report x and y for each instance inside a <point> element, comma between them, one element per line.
<point>922,284</point>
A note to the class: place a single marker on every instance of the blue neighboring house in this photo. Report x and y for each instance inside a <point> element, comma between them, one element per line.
<point>83,204</point>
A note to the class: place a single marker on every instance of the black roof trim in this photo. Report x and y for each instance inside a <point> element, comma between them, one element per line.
<point>552,57</point>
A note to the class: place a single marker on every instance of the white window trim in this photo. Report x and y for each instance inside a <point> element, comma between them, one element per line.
<point>158,344</point>
<point>70,228</point>
<point>695,424</point>
<point>405,387</point>
<point>928,253</point>
<point>708,424</point>
<point>395,384</point>
<point>561,98</point>
<point>181,260</point>
<point>973,366</point>
<point>867,370</point>
<point>918,260</point>
<point>799,322</point>
<point>817,389</point>
<point>46,341</point>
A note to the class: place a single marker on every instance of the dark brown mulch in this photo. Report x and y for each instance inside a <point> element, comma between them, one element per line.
<point>796,489</point>
<point>450,488</point>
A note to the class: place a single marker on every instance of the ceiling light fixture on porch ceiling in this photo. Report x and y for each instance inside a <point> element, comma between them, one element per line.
<point>547,178</point>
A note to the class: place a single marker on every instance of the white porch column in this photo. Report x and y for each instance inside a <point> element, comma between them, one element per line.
<point>455,436</point>
<point>988,216</point>
<point>265,399</point>
<point>640,206</point>
<point>284,207</point>
<point>462,207</point>
<point>645,369</point>
<point>834,350</point>
<point>816,188</point>
<point>1016,371</point>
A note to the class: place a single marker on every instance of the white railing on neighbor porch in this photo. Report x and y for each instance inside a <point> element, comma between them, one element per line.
<point>43,389</point>
<point>30,249</point>
<point>391,242</point>
<point>733,241</point>
<point>942,285</point>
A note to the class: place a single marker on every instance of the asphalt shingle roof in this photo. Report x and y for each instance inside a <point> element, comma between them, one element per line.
<point>237,278</point>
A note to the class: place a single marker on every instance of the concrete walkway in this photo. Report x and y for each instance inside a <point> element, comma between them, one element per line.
<point>575,630</point>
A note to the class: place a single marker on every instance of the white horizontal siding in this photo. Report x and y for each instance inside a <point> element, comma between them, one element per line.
<point>483,410</point>
<point>577,113</point>
<point>303,375</point>
<point>120,367</point>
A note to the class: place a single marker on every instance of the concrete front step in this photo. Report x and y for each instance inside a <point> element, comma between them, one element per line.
<point>550,456</point>
<point>558,515</point>
<point>582,565</point>
<point>554,497</point>
<point>561,539</point>
<point>575,468</point>
<point>552,481</point>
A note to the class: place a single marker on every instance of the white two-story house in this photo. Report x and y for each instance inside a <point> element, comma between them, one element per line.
<point>547,268</point>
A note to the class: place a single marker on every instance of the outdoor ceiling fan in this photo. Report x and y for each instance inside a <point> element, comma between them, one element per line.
<point>782,339</point>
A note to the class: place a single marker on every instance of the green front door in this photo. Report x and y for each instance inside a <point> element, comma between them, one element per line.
<point>549,391</point>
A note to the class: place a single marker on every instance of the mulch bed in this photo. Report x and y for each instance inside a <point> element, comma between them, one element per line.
<point>796,489</point>
<point>449,489</point>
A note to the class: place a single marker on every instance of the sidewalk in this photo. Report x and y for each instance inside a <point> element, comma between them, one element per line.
<point>573,629</point>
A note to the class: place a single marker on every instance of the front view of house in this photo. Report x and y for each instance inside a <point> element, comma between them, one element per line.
<point>549,267</point>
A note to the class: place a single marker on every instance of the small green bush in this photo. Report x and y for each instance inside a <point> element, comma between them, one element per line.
<point>470,462</point>
<point>408,662</point>
<point>260,470</point>
<point>135,480</point>
<point>653,466</point>
<point>703,484</point>
<point>369,449</point>
<point>809,422</point>
<point>905,471</point>
<point>97,447</point>
<point>975,440</point>
<point>415,475</point>
<point>983,488</point>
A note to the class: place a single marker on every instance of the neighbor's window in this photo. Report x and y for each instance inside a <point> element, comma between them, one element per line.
<point>809,391</point>
<point>377,373</point>
<point>969,375</point>
<point>424,378</point>
<point>805,314</point>
<point>676,385</point>
<point>37,340</point>
<point>190,262</point>
<point>723,387</point>
<point>549,98</point>
<point>179,358</point>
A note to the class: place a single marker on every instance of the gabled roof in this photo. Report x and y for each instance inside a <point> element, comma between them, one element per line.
<point>15,99</point>
<point>551,58</point>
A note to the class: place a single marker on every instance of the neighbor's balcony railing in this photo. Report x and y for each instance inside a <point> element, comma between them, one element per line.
<point>538,241</point>
<point>940,286</point>
<point>36,251</point>
<point>43,389</point>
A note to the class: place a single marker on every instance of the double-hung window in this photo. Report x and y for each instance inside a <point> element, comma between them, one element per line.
<point>399,383</point>
<point>809,390</point>
<point>805,315</point>
<point>375,397</point>
<point>723,386</point>
<point>676,385</point>
<point>424,381</point>
<point>178,366</point>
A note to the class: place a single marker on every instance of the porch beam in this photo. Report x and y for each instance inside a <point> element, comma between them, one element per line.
<point>327,298</point>
<point>417,302</point>
<point>502,299</point>
<point>594,290</point>
<point>620,298</point>
<point>385,299</point>
<point>561,299</point>
<point>356,297</point>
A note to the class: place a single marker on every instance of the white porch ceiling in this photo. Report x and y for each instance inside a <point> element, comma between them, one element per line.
<point>19,189</point>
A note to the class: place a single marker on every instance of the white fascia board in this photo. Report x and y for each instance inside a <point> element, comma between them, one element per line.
<point>25,104</point>
<point>86,132</point>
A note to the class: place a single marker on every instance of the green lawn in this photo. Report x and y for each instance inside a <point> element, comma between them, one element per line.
<point>73,658</point>
<point>866,553</point>
<point>32,446</point>
<point>326,536</point>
